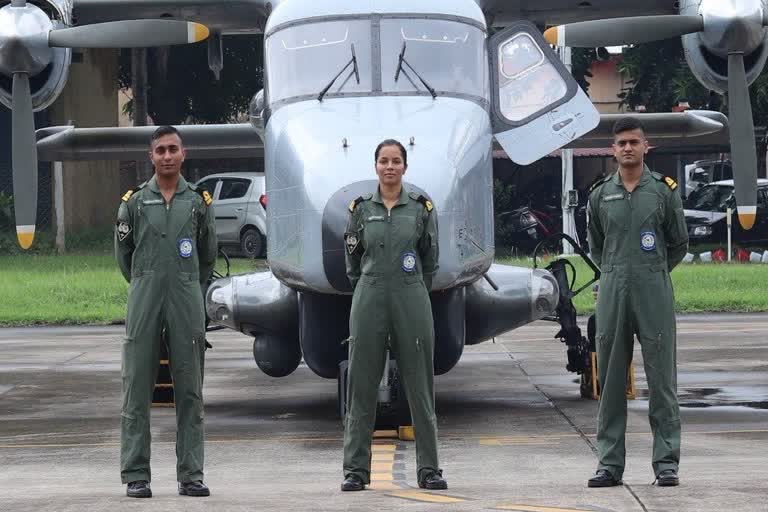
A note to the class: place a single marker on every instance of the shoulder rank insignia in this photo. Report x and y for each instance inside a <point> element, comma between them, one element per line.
<point>127,195</point>
<point>598,183</point>
<point>672,184</point>
<point>426,202</point>
<point>354,204</point>
<point>207,199</point>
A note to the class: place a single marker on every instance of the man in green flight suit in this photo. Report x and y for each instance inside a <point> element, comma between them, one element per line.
<point>392,255</point>
<point>165,245</point>
<point>637,235</point>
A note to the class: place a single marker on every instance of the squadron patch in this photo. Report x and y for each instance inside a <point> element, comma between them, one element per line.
<point>123,230</point>
<point>207,198</point>
<point>352,241</point>
<point>648,241</point>
<point>185,247</point>
<point>409,261</point>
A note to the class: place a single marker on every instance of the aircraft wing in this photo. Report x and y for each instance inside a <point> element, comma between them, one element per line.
<point>685,129</point>
<point>556,12</point>
<point>207,141</point>
<point>210,141</point>
<point>227,16</point>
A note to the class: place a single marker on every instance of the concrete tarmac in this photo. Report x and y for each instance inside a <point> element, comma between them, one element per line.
<point>514,434</point>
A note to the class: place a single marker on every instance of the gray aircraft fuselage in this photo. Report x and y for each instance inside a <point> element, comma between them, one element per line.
<point>319,155</point>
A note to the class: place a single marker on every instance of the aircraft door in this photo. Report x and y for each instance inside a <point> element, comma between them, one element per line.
<point>537,106</point>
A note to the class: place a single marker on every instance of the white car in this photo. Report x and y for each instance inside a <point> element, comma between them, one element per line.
<point>240,203</point>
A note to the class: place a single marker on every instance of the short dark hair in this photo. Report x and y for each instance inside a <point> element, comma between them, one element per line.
<point>626,124</point>
<point>391,142</point>
<point>163,131</point>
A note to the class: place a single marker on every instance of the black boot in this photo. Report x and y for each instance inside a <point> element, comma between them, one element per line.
<point>352,483</point>
<point>138,489</point>
<point>433,481</point>
<point>603,478</point>
<point>668,478</point>
<point>196,488</point>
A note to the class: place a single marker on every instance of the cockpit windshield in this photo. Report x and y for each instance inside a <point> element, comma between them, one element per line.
<point>303,59</point>
<point>450,56</point>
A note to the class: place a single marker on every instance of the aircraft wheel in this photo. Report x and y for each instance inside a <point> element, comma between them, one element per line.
<point>395,414</point>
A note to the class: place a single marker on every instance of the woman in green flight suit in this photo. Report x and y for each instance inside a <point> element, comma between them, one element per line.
<point>392,253</point>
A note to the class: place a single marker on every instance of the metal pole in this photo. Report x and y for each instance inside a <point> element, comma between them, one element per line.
<point>58,203</point>
<point>729,214</point>
<point>566,156</point>
<point>140,100</point>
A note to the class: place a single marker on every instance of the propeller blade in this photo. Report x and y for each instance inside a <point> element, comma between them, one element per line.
<point>620,31</point>
<point>128,34</point>
<point>743,150</point>
<point>24,160</point>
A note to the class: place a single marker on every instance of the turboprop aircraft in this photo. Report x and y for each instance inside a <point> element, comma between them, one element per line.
<point>340,76</point>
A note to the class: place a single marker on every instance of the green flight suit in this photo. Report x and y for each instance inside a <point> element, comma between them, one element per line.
<point>637,239</point>
<point>167,253</point>
<point>391,258</point>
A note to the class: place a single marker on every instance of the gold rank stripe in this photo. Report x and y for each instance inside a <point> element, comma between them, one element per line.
<point>533,508</point>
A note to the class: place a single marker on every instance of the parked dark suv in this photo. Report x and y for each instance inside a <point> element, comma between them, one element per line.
<point>705,213</point>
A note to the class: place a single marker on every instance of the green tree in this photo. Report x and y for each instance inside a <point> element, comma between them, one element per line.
<point>181,88</point>
<point>660,78</point>
<point>581,63</point>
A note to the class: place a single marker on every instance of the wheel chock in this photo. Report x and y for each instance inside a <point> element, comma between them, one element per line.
<point>406,433</point>
<point>631,384</point>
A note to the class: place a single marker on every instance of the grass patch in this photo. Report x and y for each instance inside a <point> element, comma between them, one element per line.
<point>72,289</point>
<point>87,288</point>
<point>699,287</point>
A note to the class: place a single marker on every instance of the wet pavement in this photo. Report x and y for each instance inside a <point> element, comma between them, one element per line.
<point>514,433</point>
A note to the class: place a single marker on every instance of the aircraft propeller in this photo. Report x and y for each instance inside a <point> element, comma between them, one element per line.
<point>731,36</point>
<point>26,38</point>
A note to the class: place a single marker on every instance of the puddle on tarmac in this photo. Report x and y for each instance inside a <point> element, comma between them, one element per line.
<point>701,398</point>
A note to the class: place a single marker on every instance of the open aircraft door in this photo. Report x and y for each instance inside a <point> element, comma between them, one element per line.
<point>537,106</point>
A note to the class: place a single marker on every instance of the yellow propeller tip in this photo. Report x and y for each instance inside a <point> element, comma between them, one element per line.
<point>551,35</point>
<point>747,220</point>
<point>198,32</point>
<point>25,239</point>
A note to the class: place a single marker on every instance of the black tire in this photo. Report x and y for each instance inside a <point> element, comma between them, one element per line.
<point>252,243</point>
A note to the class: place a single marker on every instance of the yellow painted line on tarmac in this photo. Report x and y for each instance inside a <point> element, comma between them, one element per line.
<point>384,486</point>
<point>382,448</point>
<point>385,434</point>
<point>533,508</point>
<point>379,467</point>
<point>383,457</point>
<point>415,495</point>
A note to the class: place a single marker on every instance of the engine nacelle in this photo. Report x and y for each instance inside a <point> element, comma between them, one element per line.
<point>46,85</point>
<point>706,52</point>
<point>712,70</point>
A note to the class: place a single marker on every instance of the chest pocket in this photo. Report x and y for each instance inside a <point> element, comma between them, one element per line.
<point>405,229</point>
<point>181,221</point>
<point>648,210</point>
